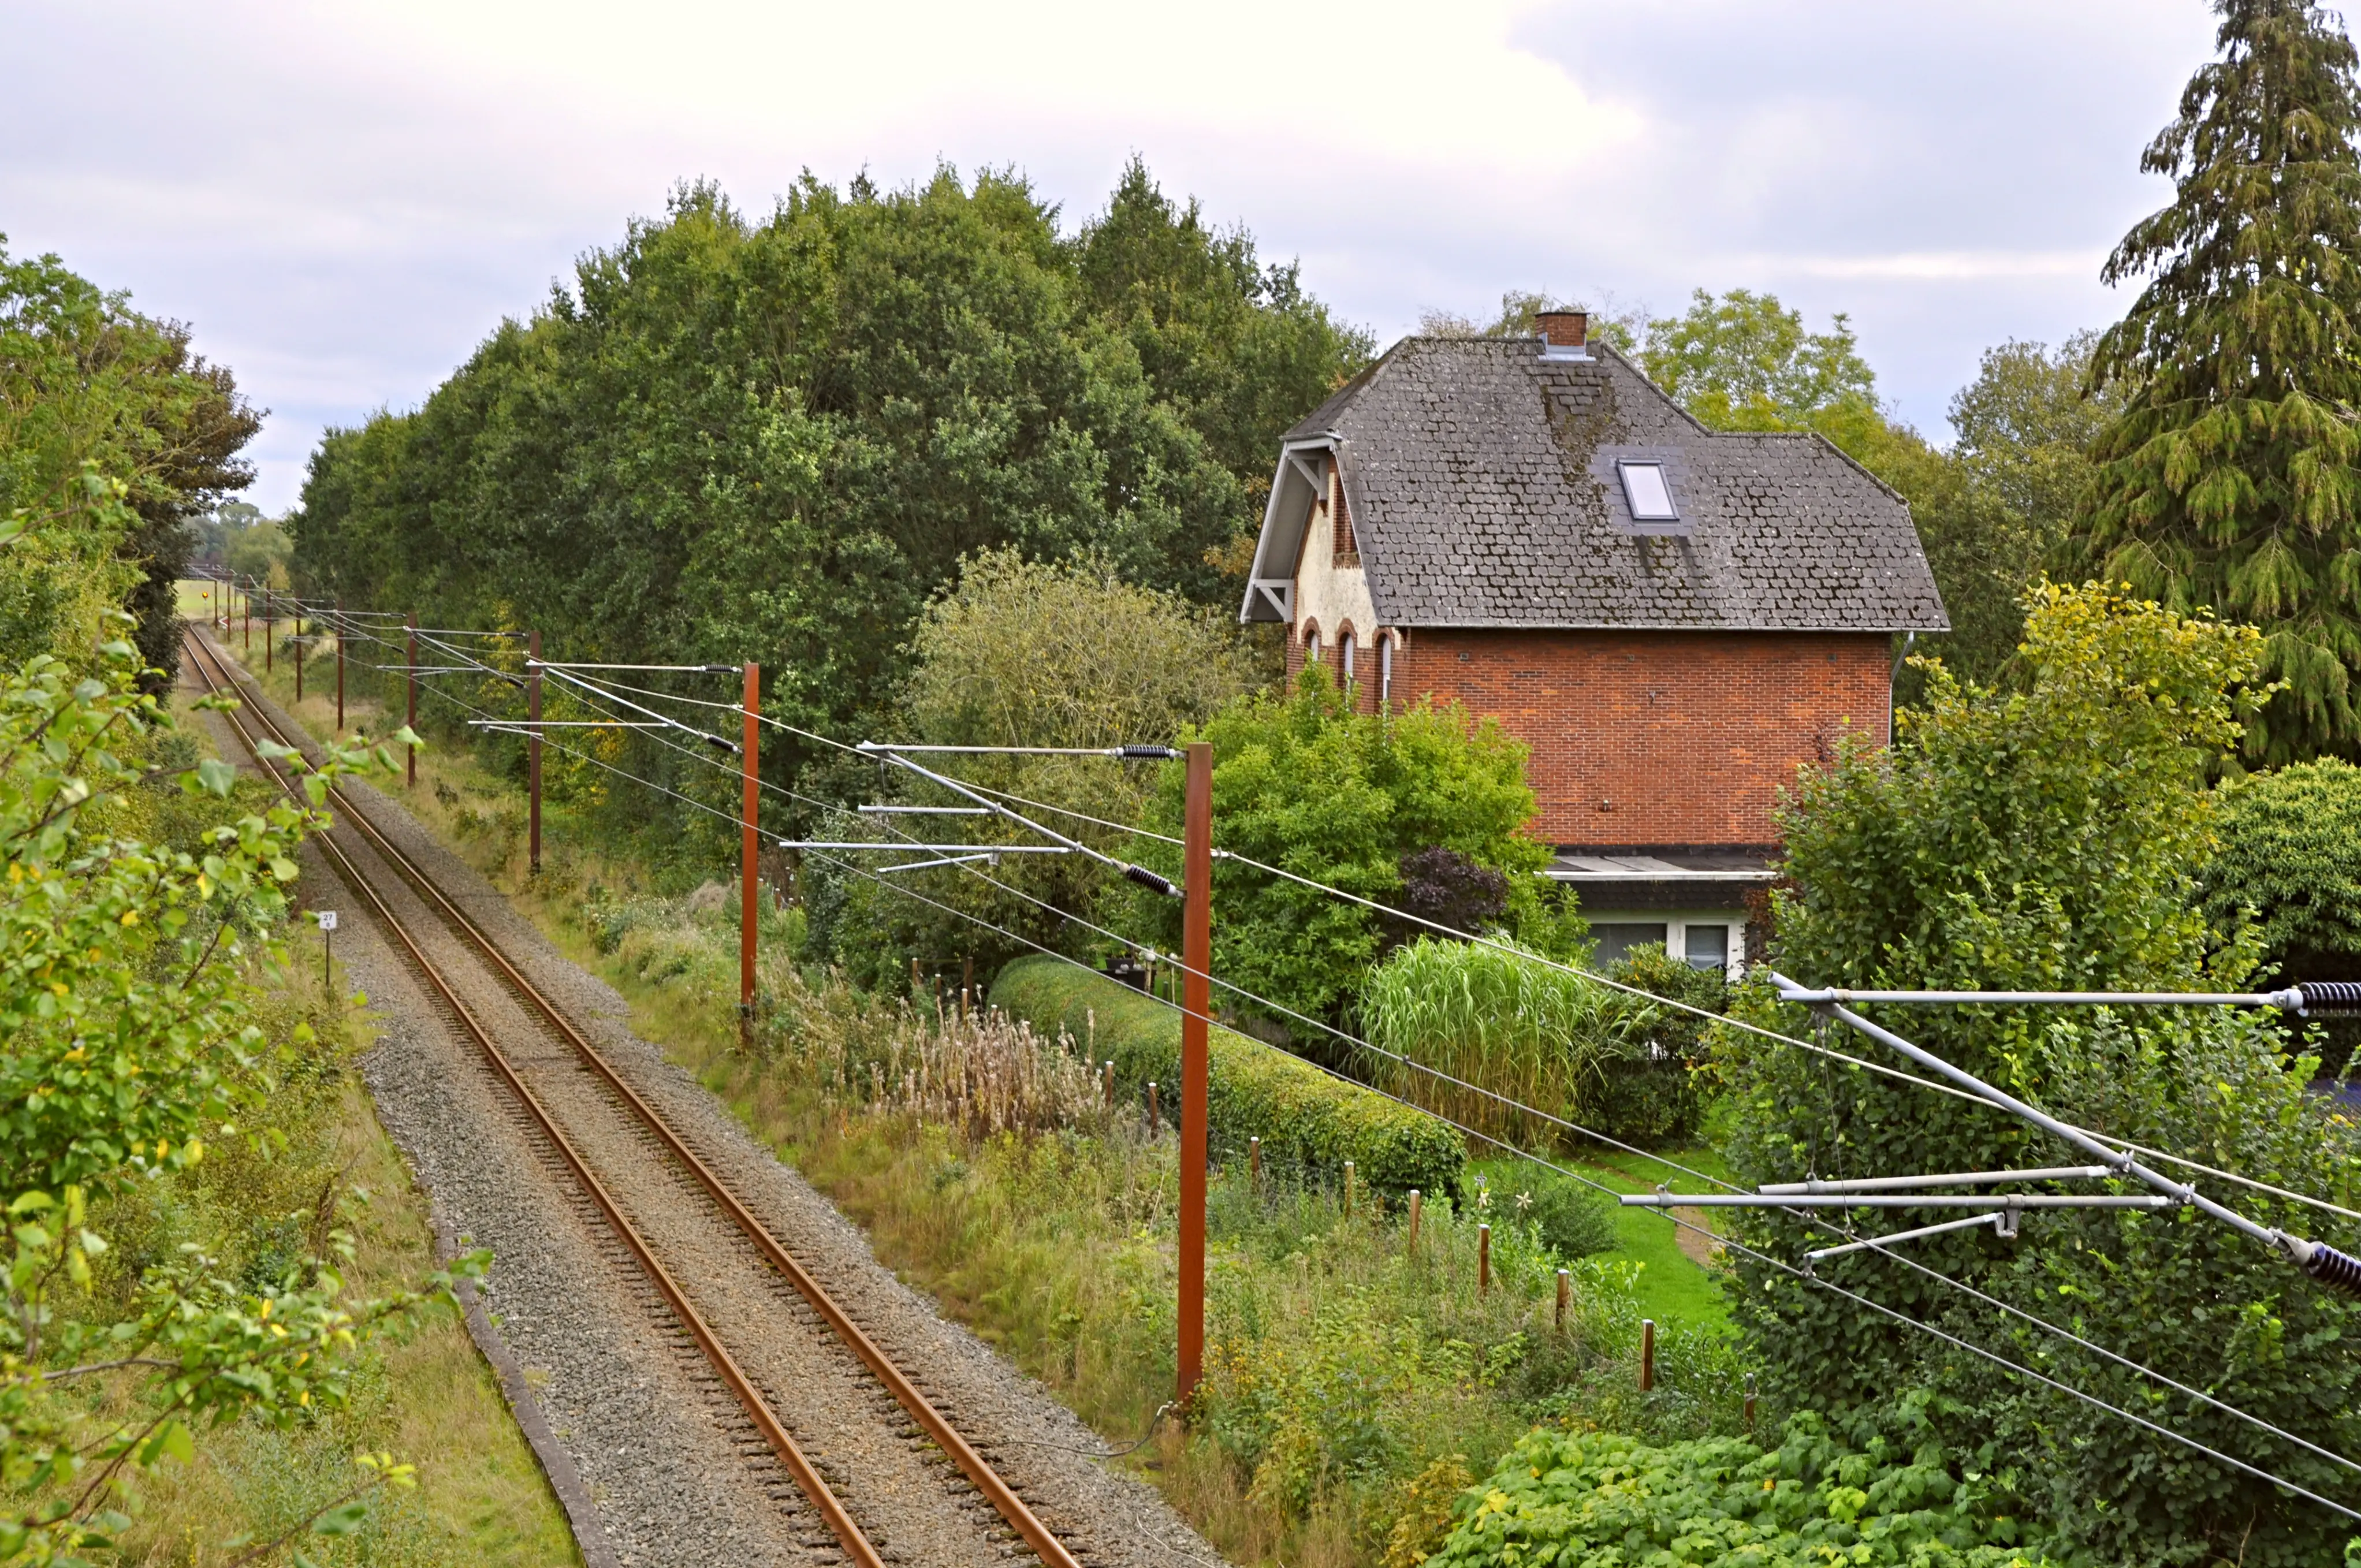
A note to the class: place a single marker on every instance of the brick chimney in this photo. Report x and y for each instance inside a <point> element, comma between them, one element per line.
<point>1563,329</point>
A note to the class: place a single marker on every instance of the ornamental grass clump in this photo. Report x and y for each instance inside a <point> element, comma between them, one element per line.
<point>985,1073</point>
<point>978,1074</point>
<point>1515,1029</point>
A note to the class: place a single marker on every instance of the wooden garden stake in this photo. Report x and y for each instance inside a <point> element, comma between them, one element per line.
<point>1647,1353</point>
<point>1155,1116</point>
<point>1413,1219</point>
<point>1565,1290</point>
<point>1482,1260</point>
<point>1109,1077</point>
<point>1253,1162</point>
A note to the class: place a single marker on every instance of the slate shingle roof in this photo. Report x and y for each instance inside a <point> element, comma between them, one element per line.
<point>1482,484</point>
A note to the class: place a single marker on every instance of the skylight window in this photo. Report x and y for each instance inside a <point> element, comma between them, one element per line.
<point>1648,493</point>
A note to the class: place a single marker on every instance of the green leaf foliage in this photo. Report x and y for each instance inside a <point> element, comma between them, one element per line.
<point>1606,1500</point>
<point>2051,836</point>
<point>1744,362</point>
<point>1307,1120</point>
<point>1306,781</point>
<point>130,1034</point>
<point>777,438</point>
<point>2230,479</point>
<point>2290,858</point>
<point>2290,868</point>
<point>1474,1032</point>
<point>113,434</point>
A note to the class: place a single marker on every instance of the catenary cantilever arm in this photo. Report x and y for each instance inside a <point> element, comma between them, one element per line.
<point>2322,1263</point>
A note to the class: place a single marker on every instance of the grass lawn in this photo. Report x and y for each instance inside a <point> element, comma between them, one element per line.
<point>1674,1287</point>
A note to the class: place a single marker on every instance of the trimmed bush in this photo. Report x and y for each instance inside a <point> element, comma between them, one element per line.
<point>1721,1502</point>
<point>1306,1120</point>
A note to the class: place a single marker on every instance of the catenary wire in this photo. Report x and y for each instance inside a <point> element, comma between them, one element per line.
<point>1781,1265</point>
<point>1825,1051</point>
<point>1766,1258</point>
<point>2065,1334</point>
<point>1879,1067</point>
<point>1933,1273</point>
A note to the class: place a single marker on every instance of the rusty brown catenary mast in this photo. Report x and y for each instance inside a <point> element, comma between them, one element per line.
<point>1197,1002</point>
<point>410,658</point>
<point>532,752</point>
<point>340,669</point>
<point>749,848</point>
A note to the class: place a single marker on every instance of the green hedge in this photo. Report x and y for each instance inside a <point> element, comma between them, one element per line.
<point>1306,1119</point>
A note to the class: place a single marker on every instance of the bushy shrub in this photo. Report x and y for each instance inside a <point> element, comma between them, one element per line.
<point>1450,888</point>
<point>1599,1498</point>
<point>1025,653</point>
<point>1571,1220</point>
<point>1307,1120</point>
<point>2290,863</point>
<point>1305,782</point>
<point>1658,1082</point>
<point>2050,838</point>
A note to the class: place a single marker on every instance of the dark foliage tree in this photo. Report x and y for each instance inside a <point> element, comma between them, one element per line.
<point>2230,479</point>
<point>99,404</point>
<point>776,439</point>
<point>1451,888</point>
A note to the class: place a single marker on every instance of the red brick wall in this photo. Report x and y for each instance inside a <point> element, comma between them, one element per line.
<point>1654,738</point>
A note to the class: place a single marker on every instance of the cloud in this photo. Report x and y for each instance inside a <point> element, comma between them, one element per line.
<point>344,199</point>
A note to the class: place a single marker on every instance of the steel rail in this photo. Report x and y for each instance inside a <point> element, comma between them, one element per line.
<point>979,1473</point>
<point>782,1443</point>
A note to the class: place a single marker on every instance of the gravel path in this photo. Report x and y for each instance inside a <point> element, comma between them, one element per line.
<point>673,1471</point>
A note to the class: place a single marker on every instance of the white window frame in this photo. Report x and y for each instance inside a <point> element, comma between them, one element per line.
<point>1676,924</point>
<point>1663,477</point>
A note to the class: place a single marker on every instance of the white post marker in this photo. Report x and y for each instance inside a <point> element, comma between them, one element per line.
<point>327,919</point>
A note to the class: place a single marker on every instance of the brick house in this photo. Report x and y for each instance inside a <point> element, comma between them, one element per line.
<point>1671,619</point>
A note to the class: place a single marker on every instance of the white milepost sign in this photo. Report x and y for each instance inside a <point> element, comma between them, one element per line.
<point>327,919</point>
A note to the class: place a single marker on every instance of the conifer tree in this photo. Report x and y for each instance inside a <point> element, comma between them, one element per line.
<point>2229,480</point>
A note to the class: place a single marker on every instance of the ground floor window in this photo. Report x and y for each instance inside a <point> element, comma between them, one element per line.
<point>1712,940</point>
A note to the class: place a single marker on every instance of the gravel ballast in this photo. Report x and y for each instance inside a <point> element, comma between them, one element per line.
<point>671,1467</point>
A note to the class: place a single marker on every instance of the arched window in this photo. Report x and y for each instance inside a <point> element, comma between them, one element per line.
<point>1385,669</point>
<point>1346,647</point>
<point>1312,643</point>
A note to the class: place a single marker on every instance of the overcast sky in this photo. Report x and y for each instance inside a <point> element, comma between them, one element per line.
<point>345,198</point>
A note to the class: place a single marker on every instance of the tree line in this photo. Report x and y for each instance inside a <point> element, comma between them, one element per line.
<point>776,438</point>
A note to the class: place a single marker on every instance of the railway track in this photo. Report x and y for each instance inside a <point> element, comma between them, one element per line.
<point>813,1399</point>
